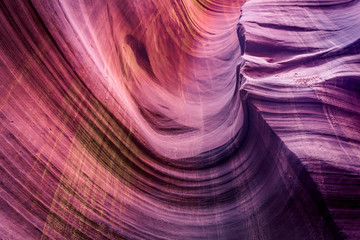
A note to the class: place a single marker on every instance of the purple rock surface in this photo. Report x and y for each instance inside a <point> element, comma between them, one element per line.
<point>165,119</point>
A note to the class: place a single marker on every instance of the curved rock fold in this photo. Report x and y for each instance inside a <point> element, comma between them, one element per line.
<point>180,119</point>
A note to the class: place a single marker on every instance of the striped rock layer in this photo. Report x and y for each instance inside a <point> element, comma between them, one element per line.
<point>184,119</point>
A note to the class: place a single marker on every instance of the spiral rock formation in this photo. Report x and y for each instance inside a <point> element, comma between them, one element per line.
<point>186,119</point>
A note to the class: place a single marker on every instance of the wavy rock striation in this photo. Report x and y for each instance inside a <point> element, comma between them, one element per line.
<point>180,119</point>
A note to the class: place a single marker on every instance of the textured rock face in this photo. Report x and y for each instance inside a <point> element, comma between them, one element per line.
<point>180,119</point>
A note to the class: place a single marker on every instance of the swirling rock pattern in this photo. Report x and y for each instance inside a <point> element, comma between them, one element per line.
<point>180,119</point>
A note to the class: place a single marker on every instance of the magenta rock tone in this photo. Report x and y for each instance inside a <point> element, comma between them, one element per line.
<point>180,119</point>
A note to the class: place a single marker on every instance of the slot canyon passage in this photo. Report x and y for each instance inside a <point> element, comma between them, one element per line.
<point>180,119</point>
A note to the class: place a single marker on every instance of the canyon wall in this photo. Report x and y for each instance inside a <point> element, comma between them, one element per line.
<point>186,119</point>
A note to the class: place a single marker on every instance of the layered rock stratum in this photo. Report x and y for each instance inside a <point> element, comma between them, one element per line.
<point>183,119</point>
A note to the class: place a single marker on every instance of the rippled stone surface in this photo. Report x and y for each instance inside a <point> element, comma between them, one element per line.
<point>180,119</point>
